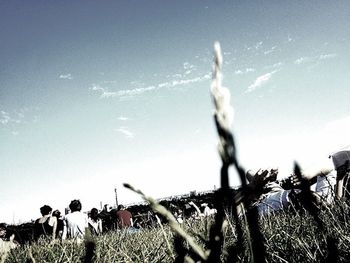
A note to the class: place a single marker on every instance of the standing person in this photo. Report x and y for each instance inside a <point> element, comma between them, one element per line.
<point>107,218</point>
<point>95,223</point>
<point>45,225</point>
<point>60,225</point>
<point>75,223</point>
<point>124,218</point>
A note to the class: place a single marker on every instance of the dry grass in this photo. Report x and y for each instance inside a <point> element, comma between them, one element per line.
<point>289,237</point>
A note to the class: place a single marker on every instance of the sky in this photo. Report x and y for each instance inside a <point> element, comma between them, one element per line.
<point>94,94</point>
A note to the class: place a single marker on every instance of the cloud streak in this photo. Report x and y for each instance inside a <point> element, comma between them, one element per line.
<point>327,56</point>
<point>272,49</point>
<point>277,65</point>
<point>126,132</point>
<point>260,81</point>
<point>105,93</point>
<point>303,60</point>
<point>66,76</point>
<point>122,118</point>
<point>245,71</point>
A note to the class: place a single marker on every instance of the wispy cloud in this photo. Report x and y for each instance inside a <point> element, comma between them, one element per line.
<point>125,131</point>
<point>134,92</point>
<point>303,60</point>
<point>4,118</point>
<point>255,46</point>
<point>11,121</point>
<point>272,49</point>
<point>66,76</point>
<point>244,71</point>
<point>274,66</point>
<point>137,84</point>
<point>122,118</point>
<point>15,118</point>
<point>327,56</point>
<point>174,83</point>
<point>105,93</point>
<point>189,68</point>
<point>258,45</point>
<point>260,81</point>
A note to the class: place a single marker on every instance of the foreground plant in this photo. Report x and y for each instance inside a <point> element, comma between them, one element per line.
<point>223,117</point>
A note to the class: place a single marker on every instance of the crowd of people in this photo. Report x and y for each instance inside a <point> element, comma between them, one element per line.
<point>75,224</point>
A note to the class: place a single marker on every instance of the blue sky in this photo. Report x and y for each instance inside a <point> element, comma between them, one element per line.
<point>95,94</point>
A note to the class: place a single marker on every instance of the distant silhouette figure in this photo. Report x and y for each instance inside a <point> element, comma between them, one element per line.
<point>45,225</point>
<point>75,223</point>
<point>3,231</point>
<point>60,224</point>
<point>95,223</point>
<point>108,219</point>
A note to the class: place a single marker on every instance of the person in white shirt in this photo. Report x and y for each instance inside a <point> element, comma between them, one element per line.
<point>277,197</point>
<point>75,223</point>
<point>325,186</point>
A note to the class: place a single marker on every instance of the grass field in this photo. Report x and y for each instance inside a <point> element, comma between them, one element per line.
<point>289,237</point>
